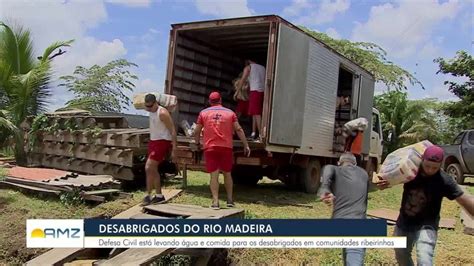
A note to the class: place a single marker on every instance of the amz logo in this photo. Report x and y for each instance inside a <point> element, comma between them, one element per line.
<point>56,233</point>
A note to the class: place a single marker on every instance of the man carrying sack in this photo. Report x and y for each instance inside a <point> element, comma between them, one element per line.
<point>162,141</point>
<point>421,204</point>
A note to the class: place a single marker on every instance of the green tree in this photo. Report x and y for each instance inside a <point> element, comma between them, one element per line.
<point>101,88</point>
<point>462,65</point>
<point>24,81</point>
<point>405,121</point>
<point>371,57</point>
<point>448,127</point>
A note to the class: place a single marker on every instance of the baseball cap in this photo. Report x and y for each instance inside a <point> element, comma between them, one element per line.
<point>434,154</point>
<point>214,96</point>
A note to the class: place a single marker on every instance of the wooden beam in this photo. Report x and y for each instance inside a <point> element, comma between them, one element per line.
<point>92,197</point>
<point>32,183</point>
<point>28,189</point>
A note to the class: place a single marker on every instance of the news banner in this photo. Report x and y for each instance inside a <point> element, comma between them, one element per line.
<point>200,233</point>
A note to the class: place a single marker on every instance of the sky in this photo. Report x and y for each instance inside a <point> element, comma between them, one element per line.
<point>413,32</point>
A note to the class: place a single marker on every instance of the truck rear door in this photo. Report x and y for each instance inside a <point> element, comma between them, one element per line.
<point>366,99</point>
<point>286,121</point>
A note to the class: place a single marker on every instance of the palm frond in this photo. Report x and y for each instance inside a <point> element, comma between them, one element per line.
<point>32,92</point>
<point>50,49</point>
<point>17,49</point>
<point>6,124</point>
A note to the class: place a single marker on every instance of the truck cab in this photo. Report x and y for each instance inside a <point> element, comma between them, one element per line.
<point>376,143</point>
<point>459,156</point>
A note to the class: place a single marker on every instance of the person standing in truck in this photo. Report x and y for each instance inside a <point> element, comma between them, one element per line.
<point>421,204</point>
<point>346,188</point>
<point>255,75</point>
<point>241,96</point>
<point>162,141</point>
<point>219,125</point>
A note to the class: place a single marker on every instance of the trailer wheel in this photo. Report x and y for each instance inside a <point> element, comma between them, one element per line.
<point>456,172</point>
<point>312,176</point>
<point>246,175</point>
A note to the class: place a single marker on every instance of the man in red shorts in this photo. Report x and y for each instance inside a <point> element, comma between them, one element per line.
<point>219,124</point>
<point>162,141</point>
<point>255,74</point>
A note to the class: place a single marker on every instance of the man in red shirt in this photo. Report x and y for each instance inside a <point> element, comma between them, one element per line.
<point>219,124</point>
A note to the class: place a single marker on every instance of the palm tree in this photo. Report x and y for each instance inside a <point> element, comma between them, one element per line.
<point>24,81</point>
<point>405,121</point>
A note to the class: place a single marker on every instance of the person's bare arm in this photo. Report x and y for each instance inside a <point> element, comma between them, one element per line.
<point>240,132</point>
<point>197,133</point>
<point>467,202</point>
<point>327,179</point>
<point>244,78</point>
<point>165,117</point>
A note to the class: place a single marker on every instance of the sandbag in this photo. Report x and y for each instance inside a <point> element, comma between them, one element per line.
<point>241,93</point>
<point>165,100</point>
<point>360,124</point>
<point>188,130</point>
<point>402,165</point>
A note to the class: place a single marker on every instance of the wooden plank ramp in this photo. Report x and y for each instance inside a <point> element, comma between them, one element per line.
<point>145,256</point>
<point>391,216</point>
<point>136,256</point>
<point>60,256</point>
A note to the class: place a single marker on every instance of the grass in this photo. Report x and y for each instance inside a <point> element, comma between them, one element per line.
<point>3,173</point>
<point>269,199</point>
<point>8,152</point>
<point>16,208</point>
<point>260,202</point>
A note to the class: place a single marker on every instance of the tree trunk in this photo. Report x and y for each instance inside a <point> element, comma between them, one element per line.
<point>20,154</point>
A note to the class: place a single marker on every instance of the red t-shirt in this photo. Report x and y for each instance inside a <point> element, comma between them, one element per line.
<point>218,124</point>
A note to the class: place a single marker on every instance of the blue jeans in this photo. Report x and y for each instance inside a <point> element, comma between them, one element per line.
<point>425,241</point>
<point>353,256</point>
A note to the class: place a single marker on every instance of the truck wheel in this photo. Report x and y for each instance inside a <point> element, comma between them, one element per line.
<point>456,172</point>
<point>312,176</point>
<point>246,175</point>
<point>293,178</point>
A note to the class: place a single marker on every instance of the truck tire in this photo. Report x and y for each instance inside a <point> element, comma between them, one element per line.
<point>246,175</point>
<point>456,172</point>
<point>312,176</point>
<point>293,179</point>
